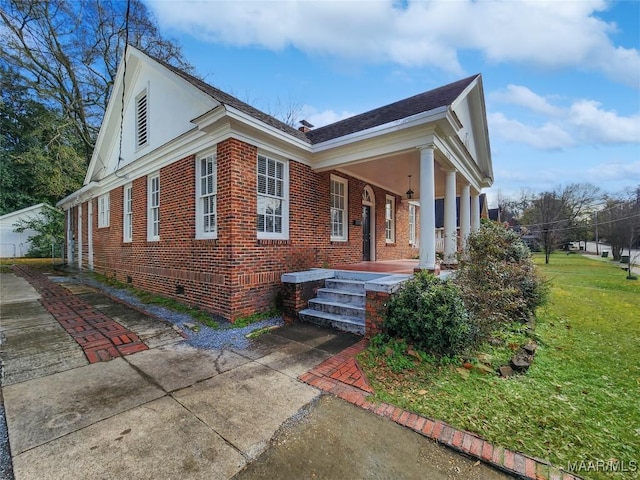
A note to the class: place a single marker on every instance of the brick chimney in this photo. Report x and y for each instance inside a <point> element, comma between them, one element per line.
<point>306,126</point>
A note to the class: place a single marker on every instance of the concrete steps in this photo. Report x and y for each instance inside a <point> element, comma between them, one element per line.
<point>340,304</point>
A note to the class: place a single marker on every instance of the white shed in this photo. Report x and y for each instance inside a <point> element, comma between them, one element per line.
<point>14,244</point>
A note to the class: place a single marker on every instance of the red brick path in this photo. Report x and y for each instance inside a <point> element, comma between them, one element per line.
<point>101,337</point>
<point>341,376</point>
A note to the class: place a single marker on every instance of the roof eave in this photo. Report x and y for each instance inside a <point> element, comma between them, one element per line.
<point>242,117</point>
<point>422,118</point>
<point>77,197</point>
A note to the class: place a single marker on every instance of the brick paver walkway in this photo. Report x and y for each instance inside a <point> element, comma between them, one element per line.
<point>101,337</point>
<point>340,375</point>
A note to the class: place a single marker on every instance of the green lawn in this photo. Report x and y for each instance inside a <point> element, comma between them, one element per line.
<point>579,401</point>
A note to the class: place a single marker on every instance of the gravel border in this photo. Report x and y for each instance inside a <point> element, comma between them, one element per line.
<point>226,336</point>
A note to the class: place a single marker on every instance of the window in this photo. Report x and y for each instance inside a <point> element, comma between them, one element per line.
<point>127,216</point>
<point>389,215</point>
<point>339,209</point>
<point>412,225</point>
<point>206,189</point>
<point>273,214</point>
<point>153,210</point>
<point>142,123</point>
<point>103,210</point>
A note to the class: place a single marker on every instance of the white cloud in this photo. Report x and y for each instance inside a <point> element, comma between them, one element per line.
<point>546,34</point>
<point>597,125</point>
<point>522,96</point>
<point>549,136</point>
<point>320,119</point>
<point>582,122</point>
<point>616,171</point>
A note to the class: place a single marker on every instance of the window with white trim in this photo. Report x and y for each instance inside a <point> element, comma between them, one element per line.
<point>389,216</point>
<point>206,191</point>
<point>103,210</point>
<point>153,207</point>
<point>339,209</point>
<point>273,193</point>
<point>142,120</point>
<point>412,225</point>
<point>127,215</point>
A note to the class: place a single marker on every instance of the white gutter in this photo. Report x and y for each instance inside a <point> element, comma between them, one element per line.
<point>417,119</point>
<point>258,124</point>
<point>77,197</point>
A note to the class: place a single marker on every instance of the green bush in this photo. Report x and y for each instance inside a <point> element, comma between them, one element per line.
<point>49,230</point>
<point>430,314</point>
<point>497,278</point>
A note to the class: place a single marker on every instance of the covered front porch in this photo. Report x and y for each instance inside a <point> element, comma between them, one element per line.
<point>414,171</point>
<point>430,148</point>
<point>440,194</point>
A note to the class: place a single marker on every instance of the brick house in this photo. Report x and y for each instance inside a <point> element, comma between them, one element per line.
<point>195,195</point>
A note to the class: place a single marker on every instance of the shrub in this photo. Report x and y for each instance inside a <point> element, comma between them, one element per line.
<point>430,314</point>
<point>497,278</point>
<point>48,226</point>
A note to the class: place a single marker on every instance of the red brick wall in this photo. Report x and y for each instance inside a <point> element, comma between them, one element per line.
<point>236,274</point>
<point>375,311</point>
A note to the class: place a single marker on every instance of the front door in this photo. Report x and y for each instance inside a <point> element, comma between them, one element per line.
<point>366,233</point>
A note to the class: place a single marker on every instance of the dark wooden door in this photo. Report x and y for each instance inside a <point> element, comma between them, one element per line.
<point>366,233</point>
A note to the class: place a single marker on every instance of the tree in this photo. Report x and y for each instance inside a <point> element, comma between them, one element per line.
<point>619,222</point>
<point>49,227</point>
<point>68,52</point>
<point>288,112</point>
<point>41,155</point>
<point>555,216</point>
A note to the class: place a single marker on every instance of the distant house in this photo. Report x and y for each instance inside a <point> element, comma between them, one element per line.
<point>440,219</point>
<point>12,243</point>
<point>199,196</point>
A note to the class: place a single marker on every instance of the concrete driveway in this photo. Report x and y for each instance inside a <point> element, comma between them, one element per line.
<point>177,412</point>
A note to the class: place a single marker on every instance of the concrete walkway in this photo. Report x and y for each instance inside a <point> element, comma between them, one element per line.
<point>166,412</point>
<point>173,411</point>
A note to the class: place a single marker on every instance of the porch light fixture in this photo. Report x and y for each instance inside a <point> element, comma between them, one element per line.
<point>409,192</point>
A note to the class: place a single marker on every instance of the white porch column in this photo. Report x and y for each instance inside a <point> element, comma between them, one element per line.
<point>79,239</point>
<point>69,237</point>
<point>427,209</point>
<point>465,214</point>
<point>475,212</point>
<point>450,227</point>
<point>90,232</point>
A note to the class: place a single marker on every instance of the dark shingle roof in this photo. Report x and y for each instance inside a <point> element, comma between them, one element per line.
<point>423,102</point>
<point>226,99</point>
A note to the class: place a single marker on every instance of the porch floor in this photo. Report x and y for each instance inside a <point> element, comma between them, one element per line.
<point>386,266</point>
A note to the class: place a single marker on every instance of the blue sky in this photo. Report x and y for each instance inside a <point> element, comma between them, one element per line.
<point>561,78</point>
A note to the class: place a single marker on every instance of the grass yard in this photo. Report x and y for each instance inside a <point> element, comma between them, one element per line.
<point>39,264</point>
<point>579,401</point>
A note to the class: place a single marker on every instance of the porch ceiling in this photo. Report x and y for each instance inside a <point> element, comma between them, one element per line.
<point>391,173</point>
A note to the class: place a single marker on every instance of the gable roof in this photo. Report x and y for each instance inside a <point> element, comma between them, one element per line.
<point>32,209</point>
<point>226,99</point>
<point>423,102</point>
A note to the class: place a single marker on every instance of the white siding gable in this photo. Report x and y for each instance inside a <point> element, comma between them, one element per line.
<point>171,105</point>
<point>466,133</point>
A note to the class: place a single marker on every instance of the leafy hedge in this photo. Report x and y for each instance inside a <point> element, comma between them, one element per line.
<point>497,278</point>
<point>430,314</point>
<point>495,286</point>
